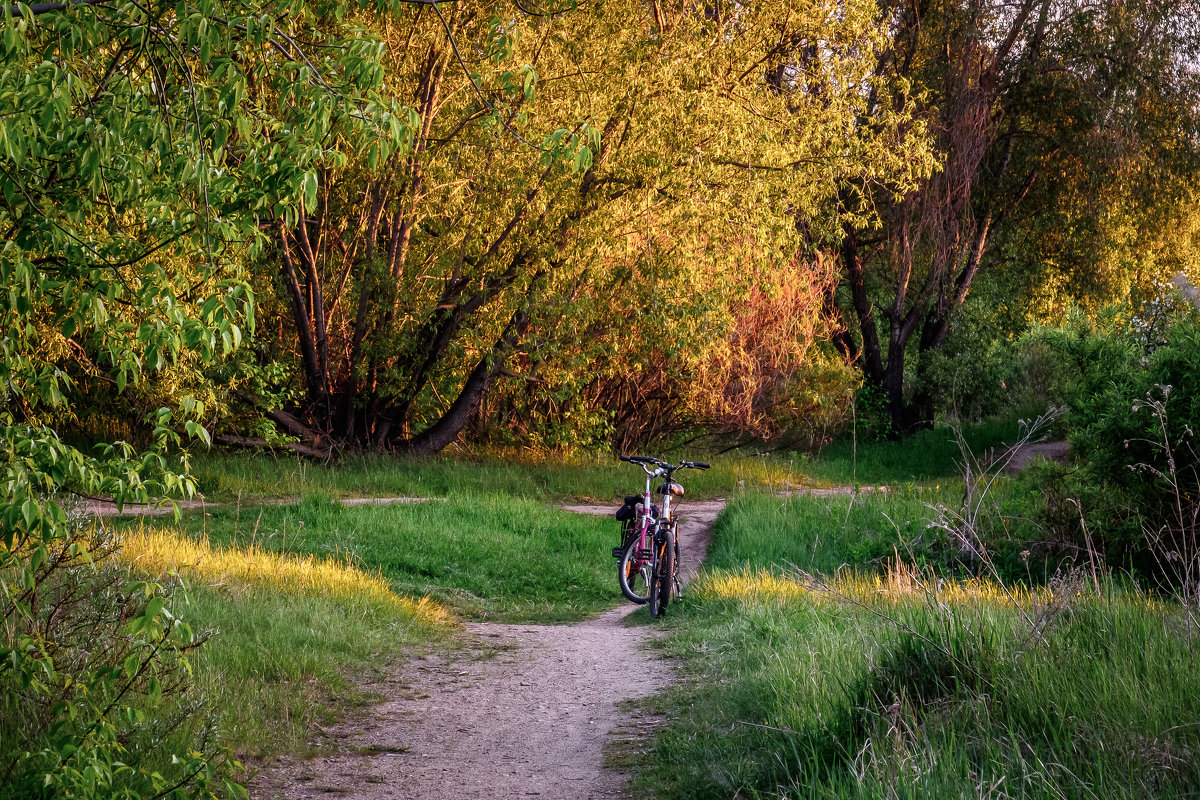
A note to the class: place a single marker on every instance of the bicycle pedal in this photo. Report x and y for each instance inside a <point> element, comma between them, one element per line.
<point>617,552</point>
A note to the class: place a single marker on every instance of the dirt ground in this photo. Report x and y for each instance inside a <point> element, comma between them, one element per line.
<point>516,711</point>
<point>98,507</point>
<point>1026,454</point>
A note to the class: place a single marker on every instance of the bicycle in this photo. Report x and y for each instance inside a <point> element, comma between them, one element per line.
<point>648,558</point>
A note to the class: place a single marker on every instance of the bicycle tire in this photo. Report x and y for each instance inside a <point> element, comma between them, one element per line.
<point>654,576</point>
<point>675,585</point>
<point>662,581</point>
<point>633,580</point>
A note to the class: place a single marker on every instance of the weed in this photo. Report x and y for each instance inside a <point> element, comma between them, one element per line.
<point>1175,541</point>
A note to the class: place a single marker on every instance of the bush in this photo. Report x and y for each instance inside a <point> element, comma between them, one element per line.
<point>94,682</point>
<point>971,375</point>
<point>1131,394</point>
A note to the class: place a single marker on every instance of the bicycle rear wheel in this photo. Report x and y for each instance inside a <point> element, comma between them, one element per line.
<point>633,572</point>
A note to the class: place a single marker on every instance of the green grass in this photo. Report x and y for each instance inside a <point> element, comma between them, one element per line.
<point>298,660</point>
<point>872,690</point>
<point>224,477</point>
<point>486,556</point>
<point>820,534</point>
<point>926,456</point>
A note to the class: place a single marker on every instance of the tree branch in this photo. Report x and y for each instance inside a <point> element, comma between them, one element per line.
<point>47,8</point>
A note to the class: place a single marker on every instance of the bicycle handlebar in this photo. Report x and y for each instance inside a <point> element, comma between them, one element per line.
<point>643,460</point>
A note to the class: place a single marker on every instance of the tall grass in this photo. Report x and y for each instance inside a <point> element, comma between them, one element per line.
<point>889,681</point>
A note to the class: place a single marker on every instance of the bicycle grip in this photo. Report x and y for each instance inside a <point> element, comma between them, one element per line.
<point>700,465</point>
<point>624,457</point>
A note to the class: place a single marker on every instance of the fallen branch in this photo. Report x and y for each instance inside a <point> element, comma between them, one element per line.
<point>256,442</point>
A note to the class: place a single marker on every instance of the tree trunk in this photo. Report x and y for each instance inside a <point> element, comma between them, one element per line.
<point>438,436</point>
<point>937,235</point>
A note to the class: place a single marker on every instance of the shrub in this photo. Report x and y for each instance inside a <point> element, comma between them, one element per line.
<point>970,375</point>
<point>95,683</point>
<point>1131,395</point>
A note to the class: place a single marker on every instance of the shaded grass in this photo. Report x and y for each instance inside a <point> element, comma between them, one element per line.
<point>486,556</point>
<point>926,456</point>
<point>224,477</point>
<point>878,689</point>
<point>820,534</point>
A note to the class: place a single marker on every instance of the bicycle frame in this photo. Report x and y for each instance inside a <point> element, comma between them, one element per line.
<point>648,506</point>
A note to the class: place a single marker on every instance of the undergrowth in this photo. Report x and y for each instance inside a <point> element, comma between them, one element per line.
<point>874,646</point>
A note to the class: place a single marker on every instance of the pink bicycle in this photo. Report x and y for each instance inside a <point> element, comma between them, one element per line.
<point>648,558</point>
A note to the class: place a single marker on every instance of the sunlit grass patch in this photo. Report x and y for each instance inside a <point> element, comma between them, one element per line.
<point>291,635</point>
<point>748,585</point>
<point>899,583</point>
<point>164,551</point>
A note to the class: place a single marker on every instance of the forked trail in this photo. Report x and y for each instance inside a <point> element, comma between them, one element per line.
<point>518,711</point>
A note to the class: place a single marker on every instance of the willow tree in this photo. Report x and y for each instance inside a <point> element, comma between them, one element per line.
<point>599,206</point>
<point>1068,135</point>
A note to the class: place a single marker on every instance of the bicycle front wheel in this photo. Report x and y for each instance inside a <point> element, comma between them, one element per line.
<point>662,581</point>
<point>633,572</point>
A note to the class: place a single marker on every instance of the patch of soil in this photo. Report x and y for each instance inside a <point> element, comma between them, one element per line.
<point>107,508</point>
<point>1023,456</point>
<point>517,711</point>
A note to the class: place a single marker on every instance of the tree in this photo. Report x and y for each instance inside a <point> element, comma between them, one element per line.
<point>134,172</point>
<point>647,156</point>
<point>1068,134</point>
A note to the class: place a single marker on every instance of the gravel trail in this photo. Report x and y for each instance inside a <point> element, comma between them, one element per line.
<point>518,711</point>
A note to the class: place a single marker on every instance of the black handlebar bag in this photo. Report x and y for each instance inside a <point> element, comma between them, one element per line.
<point>628,515</point>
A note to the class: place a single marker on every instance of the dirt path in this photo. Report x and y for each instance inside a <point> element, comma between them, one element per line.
<point>518,711</point>
<point>98,507</point>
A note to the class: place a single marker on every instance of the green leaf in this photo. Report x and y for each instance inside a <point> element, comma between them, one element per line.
<point>197,431</point>
<point>309,188</point>
<point>30,512</point>
<point>154,607</point>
